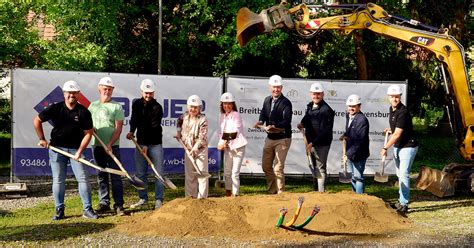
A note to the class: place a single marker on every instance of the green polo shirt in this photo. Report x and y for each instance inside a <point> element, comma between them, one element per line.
<point>104,116</point>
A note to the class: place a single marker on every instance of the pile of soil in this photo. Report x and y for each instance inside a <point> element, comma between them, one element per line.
<point>254,217</point>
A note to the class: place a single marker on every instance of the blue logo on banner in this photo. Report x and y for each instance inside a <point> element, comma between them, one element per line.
<point>53,97</point>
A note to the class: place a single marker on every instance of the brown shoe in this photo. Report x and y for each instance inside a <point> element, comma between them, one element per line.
<point>228,192</point>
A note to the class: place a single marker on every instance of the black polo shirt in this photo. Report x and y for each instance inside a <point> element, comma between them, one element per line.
<point>401,118</point>
<point>68,125</point>
<point>146,119</point>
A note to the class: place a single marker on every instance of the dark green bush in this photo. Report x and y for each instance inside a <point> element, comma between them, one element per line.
<point>436,152</point>
<point>5,116</point>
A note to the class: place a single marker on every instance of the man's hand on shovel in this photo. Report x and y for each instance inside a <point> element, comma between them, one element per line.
<point>43,143</point>
<point>77,155</point>
<point>144,149</point>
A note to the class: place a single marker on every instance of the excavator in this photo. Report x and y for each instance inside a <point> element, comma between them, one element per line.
<point>309,20</point>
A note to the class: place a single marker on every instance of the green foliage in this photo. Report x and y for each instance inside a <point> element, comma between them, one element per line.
<point>332,57</point>
<point>436,152</point>
<point>199,38</point>
<point>428,117</point>
<point>18,41</point>
<point>5,142</point>
<point>470,58</point>
<point>5,116</point>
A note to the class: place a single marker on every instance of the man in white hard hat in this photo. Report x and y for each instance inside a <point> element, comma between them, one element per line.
<point>276,114</point>
<point>108,116</point>
<point>357,140</point>
<point>146,118</point>
<point>72,132</point>
<point>405,145</point>
<point>318,122</point>
<point>192,131</point>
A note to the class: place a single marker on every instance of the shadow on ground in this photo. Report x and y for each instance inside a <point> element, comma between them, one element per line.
<point>52,231</point>
<point>464,203</point>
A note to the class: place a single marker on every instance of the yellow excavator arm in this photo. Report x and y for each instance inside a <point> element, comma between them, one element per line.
<point>303,19</point>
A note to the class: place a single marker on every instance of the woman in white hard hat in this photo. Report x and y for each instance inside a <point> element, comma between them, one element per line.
<point>192,132</point>
<point>357,138</point>
<point>404,144</point>
<point>232,142</point>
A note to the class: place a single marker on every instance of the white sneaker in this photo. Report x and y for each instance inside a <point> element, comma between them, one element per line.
<point>158,204</point>
<point>140,203</point>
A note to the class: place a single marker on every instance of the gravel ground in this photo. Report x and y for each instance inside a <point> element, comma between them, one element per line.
<point>28,202</point>
<point>39,192</point>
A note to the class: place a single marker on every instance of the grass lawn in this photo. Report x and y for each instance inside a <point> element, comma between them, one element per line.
<point>34,226</point>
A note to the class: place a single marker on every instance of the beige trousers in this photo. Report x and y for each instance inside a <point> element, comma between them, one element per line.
<point>275,150</point>
<point>194,186</point>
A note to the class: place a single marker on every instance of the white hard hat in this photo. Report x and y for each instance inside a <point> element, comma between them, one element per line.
<point>71,86</point>
<point>147,85</point>
<point>353,100</point>
<point>394,90</point>
<point>275,80</point>
<point>106,81</point>
<point>316,87</point>
<point>227,97</point>
<point>194,100</point>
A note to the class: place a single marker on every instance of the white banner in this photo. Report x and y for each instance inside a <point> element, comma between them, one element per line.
<point>250,93</point>
<point>34,90</point>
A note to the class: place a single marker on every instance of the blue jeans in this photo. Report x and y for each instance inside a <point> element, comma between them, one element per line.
<point>357,168</point>
<point>105,161</point>
<point>404,158</point>
<point>59,165</point>
<point>155,153</point>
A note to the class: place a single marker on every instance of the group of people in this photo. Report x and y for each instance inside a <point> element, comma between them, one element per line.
<point>74,127</point>
<point>317,127</point>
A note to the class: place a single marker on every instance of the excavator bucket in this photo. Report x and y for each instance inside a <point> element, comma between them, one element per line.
<point>438,183</point>
<point>249,25</point>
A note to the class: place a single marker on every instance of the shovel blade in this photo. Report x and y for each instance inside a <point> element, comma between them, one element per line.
<point>345,177</point>
<point>219,184</point>
<point>166,182</point>
<point>137,182</point>
<point>381,178</point>
<point>317,174</point>
<point>315,171</point>
<point>169,184</point>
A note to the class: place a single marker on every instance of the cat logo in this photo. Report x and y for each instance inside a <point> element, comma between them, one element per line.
<point>420,40</point>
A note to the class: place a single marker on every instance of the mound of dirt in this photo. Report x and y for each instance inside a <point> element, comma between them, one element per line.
<point>254,217</point>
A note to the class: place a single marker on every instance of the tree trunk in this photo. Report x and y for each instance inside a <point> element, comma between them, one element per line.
<point>360,57</point>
